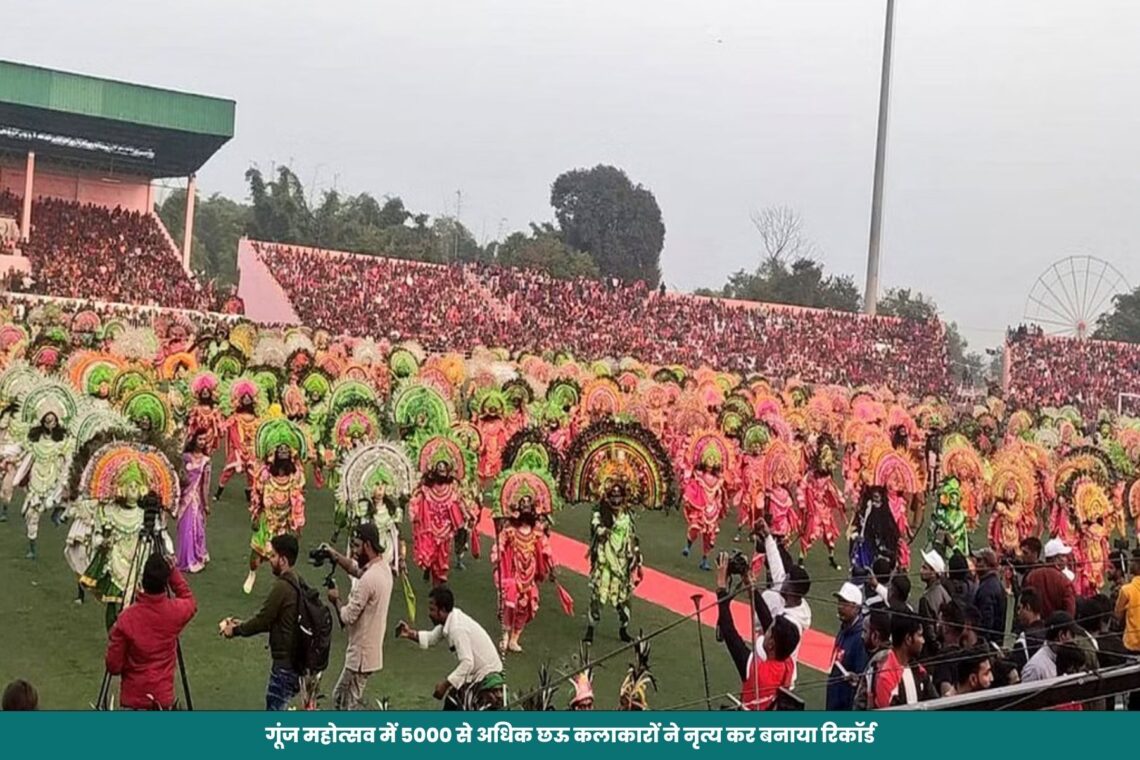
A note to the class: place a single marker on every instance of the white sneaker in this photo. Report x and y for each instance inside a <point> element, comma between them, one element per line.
<point>247,587</point>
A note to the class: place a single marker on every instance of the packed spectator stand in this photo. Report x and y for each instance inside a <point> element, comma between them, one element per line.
<point>84,251</point>
<point>459,306</point>
<point>1090,374</point>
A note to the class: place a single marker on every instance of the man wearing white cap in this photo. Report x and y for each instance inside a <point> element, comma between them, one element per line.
<point>849,655</point>
<point>1052,585</point>
<point>932,572</point>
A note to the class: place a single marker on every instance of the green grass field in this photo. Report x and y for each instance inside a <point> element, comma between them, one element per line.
<point>58,645</point>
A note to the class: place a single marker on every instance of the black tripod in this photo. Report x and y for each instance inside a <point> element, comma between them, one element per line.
<point>150,542</point>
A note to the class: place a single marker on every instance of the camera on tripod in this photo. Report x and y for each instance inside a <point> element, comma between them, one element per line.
<point>151,508</point>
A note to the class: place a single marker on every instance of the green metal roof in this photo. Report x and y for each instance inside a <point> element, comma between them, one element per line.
<point>109,123</point>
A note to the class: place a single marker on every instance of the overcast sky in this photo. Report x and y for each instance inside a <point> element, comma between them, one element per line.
<point>1014,138</point>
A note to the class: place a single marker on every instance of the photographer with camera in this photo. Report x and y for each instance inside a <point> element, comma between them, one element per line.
<point>768,667</point>
<point>143,644</point>
<point>364,615</point>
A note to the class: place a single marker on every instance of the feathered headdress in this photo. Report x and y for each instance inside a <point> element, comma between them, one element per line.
<point>582,682</point>
<point>353,421</point>
<point>146,404</point>
<point>755,436</point>
<point>136,343</point>
<point>780,464</point>
<point>280,431</point>
<point>13,335</point>
<point>243,337</point>
<point>270,379</point>
<point>403,362</point>
<point>93,420</point>
<point>634,693</point>
<point>114,463</point>
<point>1085,462</point>
<point>228,363</point>
<point>271,351</point>
<point>204,381</point>
<point>432,448</point>
<point>710,448</point>
<point>1018,474</point>
<point>514,488</point>
<point>467,434</point>
<point>417,407</point>
<point>531,449</point>
<point>49,397</point>
<point>565,393</point>
<point>489,402</point>
<point>172,364</point>
<point>93,372</point>
<point>16,381</point>
<point>234,390</point>
<point>601,397</point>
<point>892,470</point>
<point>382,462</point>
<point>622,453</point>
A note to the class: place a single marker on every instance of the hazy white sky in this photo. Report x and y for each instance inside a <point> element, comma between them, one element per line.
<point>1013,136</point>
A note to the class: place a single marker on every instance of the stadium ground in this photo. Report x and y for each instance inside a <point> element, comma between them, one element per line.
<point>58,645</point>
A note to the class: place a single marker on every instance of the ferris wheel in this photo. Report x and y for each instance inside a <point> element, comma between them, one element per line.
<point>1070,294</point>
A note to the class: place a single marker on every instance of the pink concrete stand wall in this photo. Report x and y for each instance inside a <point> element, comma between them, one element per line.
<point>264,299</point>
<point>131,193</point>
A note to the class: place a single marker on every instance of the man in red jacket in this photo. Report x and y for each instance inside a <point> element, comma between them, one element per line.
<point>143,642</point>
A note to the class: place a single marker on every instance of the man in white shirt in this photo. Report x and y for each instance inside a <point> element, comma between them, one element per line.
<point>789,587</point>
<point>477,681</point>
<point>1043,665</point>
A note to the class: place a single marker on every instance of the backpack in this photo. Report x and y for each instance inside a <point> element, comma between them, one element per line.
<point>313,638</point>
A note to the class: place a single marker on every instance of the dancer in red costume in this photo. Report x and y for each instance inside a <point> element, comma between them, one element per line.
<point>439,506</point>
<point>821,501</point>
<point>710,456</point>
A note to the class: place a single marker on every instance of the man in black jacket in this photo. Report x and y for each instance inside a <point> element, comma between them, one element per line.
<point>278,617</point>
<point>990,597</point>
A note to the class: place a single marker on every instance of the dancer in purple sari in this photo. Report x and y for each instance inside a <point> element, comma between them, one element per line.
<point>191,554</point>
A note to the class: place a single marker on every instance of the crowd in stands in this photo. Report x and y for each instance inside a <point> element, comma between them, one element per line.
<point>460,306</point>
<point>1053,371</point>
<point>82,250</point>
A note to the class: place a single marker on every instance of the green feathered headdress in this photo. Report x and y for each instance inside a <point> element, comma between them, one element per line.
<point>755,437</point>
<point>347,393</point>
<point>149,405</point>
<point>565,393</point>
<point>317,384</point>
<point>129,380</point>
<point>228,363</point>
<point>270,379</point>
<point>530,449</point>
<point>421,409</point>
<point>489,402</point>
<point>403,363</point>
<point>280,431</point>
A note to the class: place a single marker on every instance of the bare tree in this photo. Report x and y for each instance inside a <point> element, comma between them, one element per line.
<point>782,234</point>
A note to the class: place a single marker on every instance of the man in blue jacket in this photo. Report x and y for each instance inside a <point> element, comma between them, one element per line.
<point>990,597</point>
<point>849,654</point>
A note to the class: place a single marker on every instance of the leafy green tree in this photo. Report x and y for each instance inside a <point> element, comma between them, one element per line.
<point>218,225</point>
<point>803,283</point>
<point>905,304</point>
<point>544,250</point>
<point>602,213</point>
<point>1122,322</point>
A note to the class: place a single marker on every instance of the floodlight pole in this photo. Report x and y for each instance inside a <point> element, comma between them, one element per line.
<point>871,294</point>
